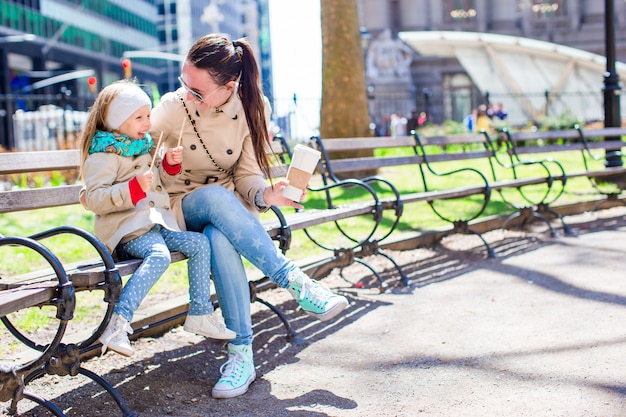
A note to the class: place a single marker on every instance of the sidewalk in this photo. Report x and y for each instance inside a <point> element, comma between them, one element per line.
<point>539,331</point>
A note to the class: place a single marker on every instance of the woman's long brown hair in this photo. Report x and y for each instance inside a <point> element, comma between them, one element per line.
<point>227,61</point>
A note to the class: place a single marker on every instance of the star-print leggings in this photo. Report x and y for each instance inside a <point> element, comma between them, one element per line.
<point>154,248</point>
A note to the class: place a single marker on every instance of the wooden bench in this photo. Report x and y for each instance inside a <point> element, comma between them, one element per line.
<point>55,283</point>
<point>546,177</point>
<point>329,225</point>
<point>592,145</point>
<point>435,183</point>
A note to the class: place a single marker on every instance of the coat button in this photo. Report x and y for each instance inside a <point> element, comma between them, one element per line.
<point>158,188</point>
<point>151,204</point>
<point>187,182</point>
<point>192,147</point>
<point>137,166</point>
<point>230,151</point>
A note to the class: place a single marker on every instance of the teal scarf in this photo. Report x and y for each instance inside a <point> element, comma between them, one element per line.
<point>120,144</point>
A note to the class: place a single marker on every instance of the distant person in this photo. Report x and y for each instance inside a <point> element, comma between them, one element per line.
<point>483,122</point>
<point>422,119</point>
<point>133,217</point>
<point>499,112</point>
<point>397,125</point>
<point>470,120</point>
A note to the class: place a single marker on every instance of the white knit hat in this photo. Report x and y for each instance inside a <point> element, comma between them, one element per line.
<point>127,102</point>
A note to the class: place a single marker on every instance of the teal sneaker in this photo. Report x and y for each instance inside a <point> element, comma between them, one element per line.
<point>314,299</point>
<point>237,373</point>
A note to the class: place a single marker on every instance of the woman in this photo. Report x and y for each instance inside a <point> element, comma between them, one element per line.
<point>221,116</point>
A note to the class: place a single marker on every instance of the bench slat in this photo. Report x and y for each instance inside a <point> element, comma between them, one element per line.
<point>18,162</point>
<point>309,218</point>
<point>456,139</point>
<point>15,300</point>
<point>353,144</point>
<point>87,274</point>
<point>611,132</point>
<point>357,164</point>
<point>575,147</point>
<point>546,135</point>
<point>34,198</point>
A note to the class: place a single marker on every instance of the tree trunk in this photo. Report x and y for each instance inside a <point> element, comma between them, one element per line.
<point>344,111</point>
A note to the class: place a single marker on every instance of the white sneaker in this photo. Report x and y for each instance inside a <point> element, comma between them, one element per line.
<point>237,373</point>
<point>209,325</point>
<point>115,336</point>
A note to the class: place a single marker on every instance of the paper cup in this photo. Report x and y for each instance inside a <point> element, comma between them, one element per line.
<point>303,163</point>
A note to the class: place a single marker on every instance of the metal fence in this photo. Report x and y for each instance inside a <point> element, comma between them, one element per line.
<point>523,109</point>
<point>41,122</point>
<point>48,128</point>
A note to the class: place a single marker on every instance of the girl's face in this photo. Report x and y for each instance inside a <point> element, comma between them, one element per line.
<point>200,88</point>
<point>137,125</point>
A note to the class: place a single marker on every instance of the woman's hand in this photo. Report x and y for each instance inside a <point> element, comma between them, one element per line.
<point>273,196</point>
<point>174,156</point>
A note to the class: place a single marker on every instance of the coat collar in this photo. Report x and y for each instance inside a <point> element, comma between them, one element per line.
<point>231,108</point>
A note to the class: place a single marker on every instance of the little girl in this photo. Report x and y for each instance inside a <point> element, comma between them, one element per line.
<point>133,215</point>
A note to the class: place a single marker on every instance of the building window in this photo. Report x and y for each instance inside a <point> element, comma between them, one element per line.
<point>459,11</point>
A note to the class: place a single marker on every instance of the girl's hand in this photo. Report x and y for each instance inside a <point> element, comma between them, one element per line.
<point>174,156</point>
<point>145,180</point>
<point>274,195</point>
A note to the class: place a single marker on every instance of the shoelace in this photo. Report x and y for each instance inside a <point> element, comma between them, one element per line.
<point>215,321</point>
<point>230,371</point>
<point>314,292</point>
<point>125,327</point>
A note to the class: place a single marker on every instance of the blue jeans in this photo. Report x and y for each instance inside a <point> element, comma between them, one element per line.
<point>154,248</point>
<point>234,232</point>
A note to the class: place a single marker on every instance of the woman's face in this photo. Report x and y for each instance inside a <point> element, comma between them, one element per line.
<point>200,88</point>
<point>137,125</point>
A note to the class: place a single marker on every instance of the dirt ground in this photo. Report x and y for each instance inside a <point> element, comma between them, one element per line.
<point>538,331</point>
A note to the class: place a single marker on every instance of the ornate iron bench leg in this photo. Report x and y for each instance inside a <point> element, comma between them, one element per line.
<point>463,228</point>
<point>403,278</point>
<point>12,410</point>
<point>380,279</point>
<point>126,411</point>
<point>524,214</point>
<point>292,335</point>
<point>544,208</point>
<point>66,361</point>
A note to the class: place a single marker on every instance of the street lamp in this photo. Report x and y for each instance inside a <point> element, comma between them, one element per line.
<point>612,113</point>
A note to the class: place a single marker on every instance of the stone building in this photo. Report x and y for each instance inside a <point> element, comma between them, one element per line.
<point>447,87</point>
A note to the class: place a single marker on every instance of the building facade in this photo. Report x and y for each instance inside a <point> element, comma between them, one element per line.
<point>80,44</point>
<point>437,82</point>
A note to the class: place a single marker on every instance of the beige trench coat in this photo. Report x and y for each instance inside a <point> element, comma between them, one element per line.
<point>107,194</point>
<point>226,137</point>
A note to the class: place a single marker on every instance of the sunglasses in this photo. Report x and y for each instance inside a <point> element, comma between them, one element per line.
<point>194,93</point>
